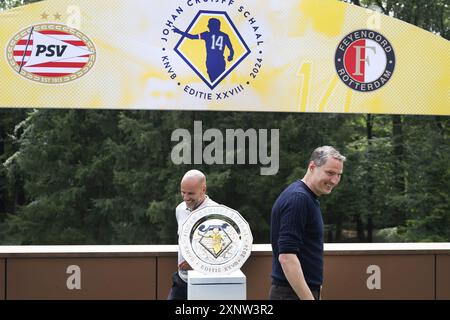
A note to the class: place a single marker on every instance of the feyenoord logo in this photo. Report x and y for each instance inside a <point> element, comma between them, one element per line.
<point>215,240</point>
<point>365,60</point>
<point>50,53</point>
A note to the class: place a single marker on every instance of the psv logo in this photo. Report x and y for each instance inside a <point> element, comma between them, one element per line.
<point>365,60</point>
<point>51,53</point>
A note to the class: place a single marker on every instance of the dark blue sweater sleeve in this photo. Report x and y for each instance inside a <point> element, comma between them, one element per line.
<point>292,224</point>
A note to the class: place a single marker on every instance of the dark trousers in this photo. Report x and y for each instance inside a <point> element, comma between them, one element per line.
<point>284,292</point>
<point>179,288</point>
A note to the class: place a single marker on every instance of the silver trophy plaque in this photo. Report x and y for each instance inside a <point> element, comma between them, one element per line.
<point>215,240</point>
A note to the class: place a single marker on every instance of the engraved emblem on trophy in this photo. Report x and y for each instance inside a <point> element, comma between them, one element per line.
<point>216,241</point>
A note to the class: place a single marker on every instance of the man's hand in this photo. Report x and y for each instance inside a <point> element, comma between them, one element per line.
<point>294,274</point>
<point>184,266</point>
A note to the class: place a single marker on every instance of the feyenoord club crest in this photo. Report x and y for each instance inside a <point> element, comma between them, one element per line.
<point>215,240</point>
<point>50,53</point>
<point>365,60</point>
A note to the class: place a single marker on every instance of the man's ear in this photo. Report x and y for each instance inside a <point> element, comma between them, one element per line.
<point>311,165</point>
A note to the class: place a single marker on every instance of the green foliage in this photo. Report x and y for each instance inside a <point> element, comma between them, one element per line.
<point>429,15</point>
<point>433,227</point>
<point>8,4</point>
<point>11,193</point>
<point>106,177</point>
<point>388,235</point>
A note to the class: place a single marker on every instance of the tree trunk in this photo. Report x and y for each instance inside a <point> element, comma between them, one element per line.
<point>399,173</point>
<point>439,125</point>
<point>369,229</point>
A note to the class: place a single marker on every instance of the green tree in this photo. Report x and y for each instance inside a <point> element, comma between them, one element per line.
<point>11,187</point>
<point>61,159</point>
<point>427,202</point>
<point>431,16</point>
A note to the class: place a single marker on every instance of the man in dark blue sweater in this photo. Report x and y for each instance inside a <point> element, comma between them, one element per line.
<point>297,229</point>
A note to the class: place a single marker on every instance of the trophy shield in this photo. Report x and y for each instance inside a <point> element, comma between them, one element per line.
<point>215,240</point>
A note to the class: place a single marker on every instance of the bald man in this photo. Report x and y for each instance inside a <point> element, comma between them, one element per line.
<point>193,193</point>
